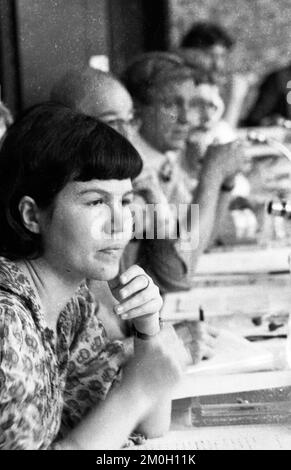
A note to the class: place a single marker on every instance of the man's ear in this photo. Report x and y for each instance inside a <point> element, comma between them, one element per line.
<point>138,110</point>
<point>29,214</point>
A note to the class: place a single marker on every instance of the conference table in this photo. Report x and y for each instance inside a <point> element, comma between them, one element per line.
<point>244,404</point>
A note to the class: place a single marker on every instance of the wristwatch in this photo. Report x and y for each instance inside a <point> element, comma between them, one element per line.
<point>145,336</point>
<point>227,188</point>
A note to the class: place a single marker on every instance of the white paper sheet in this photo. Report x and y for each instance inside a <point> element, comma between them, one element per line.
<point>195,386</point>
<point>251,300</point>
<point>248,261</point>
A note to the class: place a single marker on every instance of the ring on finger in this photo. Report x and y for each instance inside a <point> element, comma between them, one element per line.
<point>148,281</point>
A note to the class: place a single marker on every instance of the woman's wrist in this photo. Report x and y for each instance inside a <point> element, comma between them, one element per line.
<point>146,326</point>
<point>144,336</point>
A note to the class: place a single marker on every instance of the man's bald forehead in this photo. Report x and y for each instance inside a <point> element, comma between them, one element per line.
<point>75,87</point>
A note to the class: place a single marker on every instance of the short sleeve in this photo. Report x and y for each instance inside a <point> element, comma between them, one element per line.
<point>268,100</point>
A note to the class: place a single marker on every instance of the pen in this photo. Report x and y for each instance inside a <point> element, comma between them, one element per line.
<point>264,337</point>
<point>201,314</point>
<point>176,319</point>
<point>188,316</point>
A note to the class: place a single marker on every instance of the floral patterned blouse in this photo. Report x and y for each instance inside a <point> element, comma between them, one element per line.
<point>49,382</point>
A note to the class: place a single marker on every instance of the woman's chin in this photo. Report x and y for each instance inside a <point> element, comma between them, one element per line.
<point>105,271</point>
<point>109,274</point>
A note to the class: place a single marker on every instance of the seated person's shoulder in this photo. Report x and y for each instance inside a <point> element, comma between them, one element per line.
<point>277,77</point>
<point>14,313</point>
<point>152,158</point>
<point>19,338</point>
<point>284,76</point>
<point>21,382</point>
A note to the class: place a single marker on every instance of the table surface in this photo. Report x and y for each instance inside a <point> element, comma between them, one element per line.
<point>252,437</point>
<point>232,299</point>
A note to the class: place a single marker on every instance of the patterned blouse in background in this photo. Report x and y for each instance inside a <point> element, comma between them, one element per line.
<point>48,382</point>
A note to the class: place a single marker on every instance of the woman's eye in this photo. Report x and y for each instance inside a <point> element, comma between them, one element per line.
<point>96,202</point>
<point>127,202</point>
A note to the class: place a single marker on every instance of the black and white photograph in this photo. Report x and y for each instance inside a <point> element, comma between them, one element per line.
<point>145,228</point>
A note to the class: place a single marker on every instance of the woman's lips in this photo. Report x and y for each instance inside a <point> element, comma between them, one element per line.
<point>111,251</point>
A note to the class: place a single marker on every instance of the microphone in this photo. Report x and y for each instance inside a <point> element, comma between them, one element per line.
<point>279,208</point>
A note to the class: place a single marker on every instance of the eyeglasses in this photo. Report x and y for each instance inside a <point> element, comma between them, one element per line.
<point>122,125</point>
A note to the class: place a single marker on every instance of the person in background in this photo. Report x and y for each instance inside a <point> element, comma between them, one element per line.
<point>65,194</point>
<point>164,92</point>
<point>98,94</point>
<point>208,127</point>
<point>101,95</point>
<point>273,101</point>
<point>208,45</point>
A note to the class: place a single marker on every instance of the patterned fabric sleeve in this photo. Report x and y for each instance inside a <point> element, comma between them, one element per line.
<point>95,364</point>
<point>21,403</point>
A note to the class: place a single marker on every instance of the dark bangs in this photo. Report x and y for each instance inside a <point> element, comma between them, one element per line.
<point>50,145</point>
<point>104,154</point>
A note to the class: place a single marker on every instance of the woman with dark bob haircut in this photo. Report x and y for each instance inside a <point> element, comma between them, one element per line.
<point>65,195</point>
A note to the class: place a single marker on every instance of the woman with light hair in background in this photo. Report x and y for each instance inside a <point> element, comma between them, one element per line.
<point>165,94</point>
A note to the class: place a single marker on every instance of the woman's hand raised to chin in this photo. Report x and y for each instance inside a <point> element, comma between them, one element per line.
<point>139,299</point>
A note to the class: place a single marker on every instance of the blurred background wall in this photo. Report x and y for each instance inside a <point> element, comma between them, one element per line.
<point>261,28</point>
<point>56,35</point>
<point>40,39</point>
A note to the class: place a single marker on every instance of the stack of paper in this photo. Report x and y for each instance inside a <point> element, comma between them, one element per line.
<point>233,354</point>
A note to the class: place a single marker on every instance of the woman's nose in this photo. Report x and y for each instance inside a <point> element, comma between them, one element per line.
<point>184,114</point>
<point>117,219</point>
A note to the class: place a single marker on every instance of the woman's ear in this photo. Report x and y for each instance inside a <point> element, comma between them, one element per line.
<point>29,213</point>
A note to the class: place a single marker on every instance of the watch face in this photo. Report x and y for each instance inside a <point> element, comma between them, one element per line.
<point>166,172</point>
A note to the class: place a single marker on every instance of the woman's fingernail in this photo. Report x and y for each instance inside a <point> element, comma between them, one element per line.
<point>123,279</point>
<point>119,309</point>
<point>124,316</point>
<point>124,293</point>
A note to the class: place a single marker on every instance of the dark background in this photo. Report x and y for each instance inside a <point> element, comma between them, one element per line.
<point>40,39</point>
